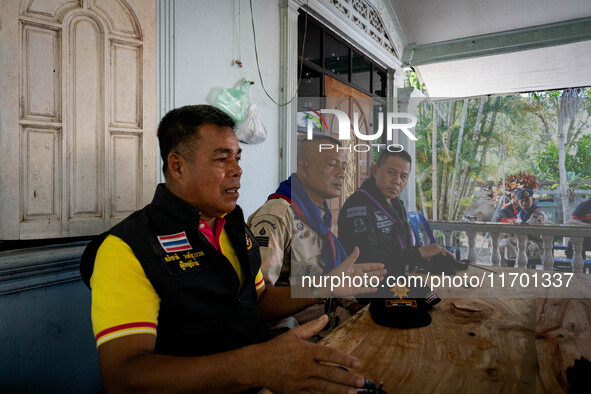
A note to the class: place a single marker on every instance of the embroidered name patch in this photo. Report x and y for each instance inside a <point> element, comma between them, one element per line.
<point>384,223</point>
<point>356,211</point>
<point>174,242</point>
<point>404,302</point>
<point>177,263</point>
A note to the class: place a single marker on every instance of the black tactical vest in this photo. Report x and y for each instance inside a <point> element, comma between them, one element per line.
<point>203,310</point>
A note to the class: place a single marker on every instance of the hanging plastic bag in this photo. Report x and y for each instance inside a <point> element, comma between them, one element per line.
<point>252,130</point>
<point>234,102</point>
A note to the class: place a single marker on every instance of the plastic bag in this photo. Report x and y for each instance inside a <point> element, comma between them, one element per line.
<point>234,102</point>
<point>252,130</point>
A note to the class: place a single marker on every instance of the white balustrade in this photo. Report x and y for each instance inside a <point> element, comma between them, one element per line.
<point>495,257</point>
<point>547,233</point>
<point>548,259</point>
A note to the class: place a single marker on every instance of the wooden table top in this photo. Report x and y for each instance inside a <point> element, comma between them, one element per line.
<point>474,345</point>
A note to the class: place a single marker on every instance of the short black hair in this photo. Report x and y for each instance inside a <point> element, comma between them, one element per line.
<point>386,154</point>
<point>317,137</point>
<point>181,126</point>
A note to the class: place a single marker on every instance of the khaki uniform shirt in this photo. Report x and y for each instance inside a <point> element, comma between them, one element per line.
<point>289,247</point>
<point>289,250</point>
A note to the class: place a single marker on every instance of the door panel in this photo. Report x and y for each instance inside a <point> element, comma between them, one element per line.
<point>349,100</point>
<point>79,115</point>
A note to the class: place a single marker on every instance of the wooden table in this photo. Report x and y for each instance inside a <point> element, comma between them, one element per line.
<point>476,345</point>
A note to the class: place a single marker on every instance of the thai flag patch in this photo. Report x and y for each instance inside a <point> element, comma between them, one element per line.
<point>174,242</point>
<point>431,297</point>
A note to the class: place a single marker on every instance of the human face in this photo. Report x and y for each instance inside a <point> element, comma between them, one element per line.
<point>210,178</point>
<point>322,173</point>
<point>526,202</point>
<point>391,176</point>
<point>514,200</point>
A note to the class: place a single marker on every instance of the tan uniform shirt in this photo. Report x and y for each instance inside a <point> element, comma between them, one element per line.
<point>289,249</point>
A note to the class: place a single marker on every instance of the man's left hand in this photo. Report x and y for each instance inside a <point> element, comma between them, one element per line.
<point>357,273</point>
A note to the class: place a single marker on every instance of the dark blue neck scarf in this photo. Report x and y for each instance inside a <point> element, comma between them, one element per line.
<point>293,192</point>
<point>525,215</point>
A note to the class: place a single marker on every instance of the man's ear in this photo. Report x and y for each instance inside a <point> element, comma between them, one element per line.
<point>175,165</point>
<point>303,168</point>
<point>374,169</point>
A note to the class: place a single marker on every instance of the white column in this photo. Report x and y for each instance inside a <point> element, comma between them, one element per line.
<point>471,247</point>
<point>166,64</point>
<point>408,101</point>
<point>548,259</point>
<point>448,238</point>
<point>288,83</point>
<point>495,255</point>
<point>521,254</point>
<point>577,260</point>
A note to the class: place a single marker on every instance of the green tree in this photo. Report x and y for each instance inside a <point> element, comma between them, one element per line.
<point>577,163</point>
<point>464,143</point>
<point>455,138</point>
<point>565,117</point>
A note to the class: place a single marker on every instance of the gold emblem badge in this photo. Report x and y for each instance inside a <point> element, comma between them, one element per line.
<point>400,291</point>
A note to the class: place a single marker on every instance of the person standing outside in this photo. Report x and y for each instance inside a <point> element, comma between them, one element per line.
<point>530,214</point>
<point>510,211</point>
<point>507,215</point>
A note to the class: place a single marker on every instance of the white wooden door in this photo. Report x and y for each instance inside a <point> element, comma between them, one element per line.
<point>78,147</point>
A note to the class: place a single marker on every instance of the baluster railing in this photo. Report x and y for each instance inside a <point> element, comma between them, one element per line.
<point>547,233</point>
<point>495,256</point>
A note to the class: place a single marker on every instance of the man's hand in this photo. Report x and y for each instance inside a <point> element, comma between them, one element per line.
<point>363,272</point>
<point>285,364</point>
<point>431,250</point>
<point>291,364</point>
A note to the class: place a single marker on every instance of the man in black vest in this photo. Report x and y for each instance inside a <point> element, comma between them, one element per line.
<point>178,294</point>
<point>374,218</point>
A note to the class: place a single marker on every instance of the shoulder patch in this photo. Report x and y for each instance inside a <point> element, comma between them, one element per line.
<point>356,211</point>
<point>359,225</point>
<point>261,224</point>
<point>381,216</point>
<point>249,243</point>
<point>262,241</point>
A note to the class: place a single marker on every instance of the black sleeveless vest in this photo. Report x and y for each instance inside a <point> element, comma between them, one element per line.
<point>203,310</point>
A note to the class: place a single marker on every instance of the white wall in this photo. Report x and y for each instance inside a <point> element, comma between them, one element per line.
<point>209,35</point>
